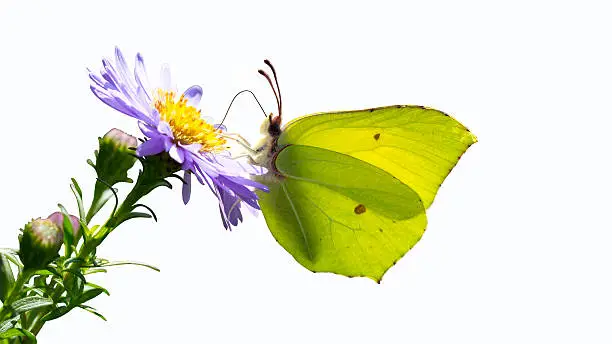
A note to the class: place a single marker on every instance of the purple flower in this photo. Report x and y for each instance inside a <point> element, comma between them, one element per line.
<point>174,125</point>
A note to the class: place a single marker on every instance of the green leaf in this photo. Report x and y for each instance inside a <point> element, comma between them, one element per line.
<point>30,302</point>
<point>74,286</point>
<point>56,313</point>
<point>9,323</point>
<point>18,332</point>
<point>126,262</point>
<point>92,311</point>
<point>146,207</point>
<point>6,277</point>
<point>78,194</point>
<point>132,215</point>
<point>91,291</point>
<point>68,231</point>
<point>12,255</point>
<point>89,271</point>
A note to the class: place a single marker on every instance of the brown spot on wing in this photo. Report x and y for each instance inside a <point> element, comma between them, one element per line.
<point>360,209</point>
<point>376,136</point>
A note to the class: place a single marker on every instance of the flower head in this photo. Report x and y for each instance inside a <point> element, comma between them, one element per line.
<point>173,124</point>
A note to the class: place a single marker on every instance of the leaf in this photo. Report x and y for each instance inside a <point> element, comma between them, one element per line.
<point>126,262</point>
<point>6,277</point>
<point>91,291</point>
<point>74,286</point>
<point>92,311</point>
<point>12,256</point>
<point>30,302</point>
<point>9,323</point>
<point>146,207</point>
<point>68,231</point>
<point>56,313</point>
<point>18,332</point>
<point>78,194</point>
<point>89,271</point>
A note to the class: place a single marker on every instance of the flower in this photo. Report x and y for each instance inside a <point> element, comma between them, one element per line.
<point>173,124</point>
<point>39,243</point>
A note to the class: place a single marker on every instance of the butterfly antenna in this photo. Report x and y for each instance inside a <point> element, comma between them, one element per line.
<point>278,103</point>
<point>280,96</point>
<point>236,96</point>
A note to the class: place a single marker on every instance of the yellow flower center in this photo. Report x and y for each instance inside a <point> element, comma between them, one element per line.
<point>186,124</point>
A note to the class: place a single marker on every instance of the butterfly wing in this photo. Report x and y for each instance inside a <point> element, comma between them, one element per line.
<point>336,213</point>
<point>417,145</point>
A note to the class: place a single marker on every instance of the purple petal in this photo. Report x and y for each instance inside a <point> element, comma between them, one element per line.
<point>151,147</point>
<point>165,129</point>
<point>248,182</point>
<point>187,187</point>
<point>177,153</point>
<point>122,68</point>
<point>148,130</point>
<point>140,74</point>
<point>165,78</point>
<point>193,95</point>
<point>229,206</point>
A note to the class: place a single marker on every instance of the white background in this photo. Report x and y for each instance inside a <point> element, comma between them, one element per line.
<point>518,245</point>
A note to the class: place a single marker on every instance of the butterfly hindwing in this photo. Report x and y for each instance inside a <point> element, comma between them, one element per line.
<point>336,213</point>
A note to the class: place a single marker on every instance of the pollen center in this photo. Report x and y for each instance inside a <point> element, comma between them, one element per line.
<point>186,123</point>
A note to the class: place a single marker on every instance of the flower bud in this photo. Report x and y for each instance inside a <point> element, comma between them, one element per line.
<point>40,243</point>
<point>58,219</point>
<point>115,156</point>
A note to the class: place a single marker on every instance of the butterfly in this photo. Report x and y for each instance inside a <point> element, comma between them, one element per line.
<point>348,191</point>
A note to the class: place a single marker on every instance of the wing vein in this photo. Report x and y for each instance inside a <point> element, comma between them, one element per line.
<point>297,217</point>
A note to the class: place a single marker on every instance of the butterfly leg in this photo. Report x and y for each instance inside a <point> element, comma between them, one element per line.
<point>241,141</point>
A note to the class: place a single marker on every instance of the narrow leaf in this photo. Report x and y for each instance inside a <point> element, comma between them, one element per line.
<point>6,277</point>
<point>78,194</point>
<point>18,332</point>
<point>68,232</point>
<point>7,324</point>
<point>131,263</point>
<point>30,302</point>
<point>56,313</point>
<point>92,311</point>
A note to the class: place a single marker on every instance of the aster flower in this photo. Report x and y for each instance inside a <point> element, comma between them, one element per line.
<point>173,124</point>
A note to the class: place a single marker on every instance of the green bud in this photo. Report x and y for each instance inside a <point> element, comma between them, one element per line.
<point>115,157</point>
<point>40,243</point>
<point>113,160</point>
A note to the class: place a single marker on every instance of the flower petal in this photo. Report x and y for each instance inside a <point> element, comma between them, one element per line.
<point>177,153</point>
<point>165,78</point>
<point>164,128</point>
<point>151,147</point>
<point>193,95</point>
<point>186,187</point>
<point>140,74</point>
